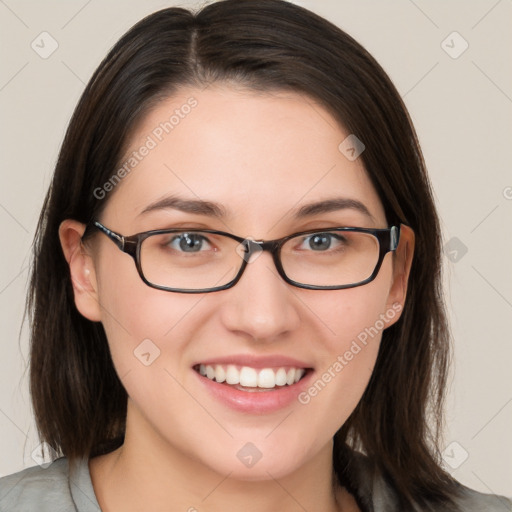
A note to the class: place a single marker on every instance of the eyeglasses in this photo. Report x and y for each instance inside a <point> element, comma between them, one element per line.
<point>205,260</point>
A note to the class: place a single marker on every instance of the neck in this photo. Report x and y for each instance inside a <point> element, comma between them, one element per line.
<point>148,473</point>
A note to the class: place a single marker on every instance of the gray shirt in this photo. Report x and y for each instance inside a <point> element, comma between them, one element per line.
<point>56,488</point>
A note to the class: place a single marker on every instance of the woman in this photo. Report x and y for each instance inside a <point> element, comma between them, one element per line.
<point>246,313</point>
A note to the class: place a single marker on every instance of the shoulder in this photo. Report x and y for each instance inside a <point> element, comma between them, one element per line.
<point>37,487</point>
<point>375,493</point>
<point>47,489</point>
<point>473,501</point>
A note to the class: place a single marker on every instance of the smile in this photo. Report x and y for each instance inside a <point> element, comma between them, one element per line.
<point>246,377</point>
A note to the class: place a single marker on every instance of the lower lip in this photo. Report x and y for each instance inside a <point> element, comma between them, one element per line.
<point>255,402</point>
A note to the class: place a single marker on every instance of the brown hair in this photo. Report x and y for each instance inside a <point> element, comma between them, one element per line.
<point>78,399</point>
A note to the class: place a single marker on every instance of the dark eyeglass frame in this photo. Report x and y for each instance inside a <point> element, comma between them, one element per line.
<point>388,239</point>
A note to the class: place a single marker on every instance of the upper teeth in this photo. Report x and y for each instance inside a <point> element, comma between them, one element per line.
<point>250,377</point>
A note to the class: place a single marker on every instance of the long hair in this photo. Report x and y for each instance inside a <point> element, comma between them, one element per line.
<point>79,402</point>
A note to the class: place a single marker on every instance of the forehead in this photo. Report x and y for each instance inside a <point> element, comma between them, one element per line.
<point>257,153</point>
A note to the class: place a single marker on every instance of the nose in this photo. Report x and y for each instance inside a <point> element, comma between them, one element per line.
<point>261,305</point>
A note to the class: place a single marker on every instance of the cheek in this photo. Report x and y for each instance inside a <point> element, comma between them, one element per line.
<point>354,320</point>
<point>356,313</point>
<point>146,331</point>
<point>141,323</point>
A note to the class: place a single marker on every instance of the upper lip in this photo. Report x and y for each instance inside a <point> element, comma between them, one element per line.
<point>254,361</point>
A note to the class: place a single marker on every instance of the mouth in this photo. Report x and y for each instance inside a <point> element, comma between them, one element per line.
<point>249,379</point>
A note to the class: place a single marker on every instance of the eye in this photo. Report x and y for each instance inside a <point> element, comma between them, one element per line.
<point>323,241</point>
<point>188,242</point>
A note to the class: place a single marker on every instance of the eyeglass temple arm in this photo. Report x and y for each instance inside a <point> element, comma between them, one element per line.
<point>116,238</point>
<point>394,237</point>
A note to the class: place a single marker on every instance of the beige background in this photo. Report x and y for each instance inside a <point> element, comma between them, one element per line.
<point>461,108</point>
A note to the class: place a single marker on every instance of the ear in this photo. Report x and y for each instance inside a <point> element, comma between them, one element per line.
<point>402,263</point>
<point>81,268</point>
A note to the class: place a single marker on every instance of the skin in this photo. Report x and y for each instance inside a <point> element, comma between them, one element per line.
<point>260,155</point>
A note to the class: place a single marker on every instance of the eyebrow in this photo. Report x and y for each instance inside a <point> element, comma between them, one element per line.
<point>216,210</point>
<point>332,205</point>
<point>196,206</point>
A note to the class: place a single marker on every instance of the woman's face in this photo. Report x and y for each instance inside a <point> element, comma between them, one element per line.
<point>260,157</point>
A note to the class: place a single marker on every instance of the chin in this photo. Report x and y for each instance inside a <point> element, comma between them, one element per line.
<point>261,471</point>
<point>258,461</point>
